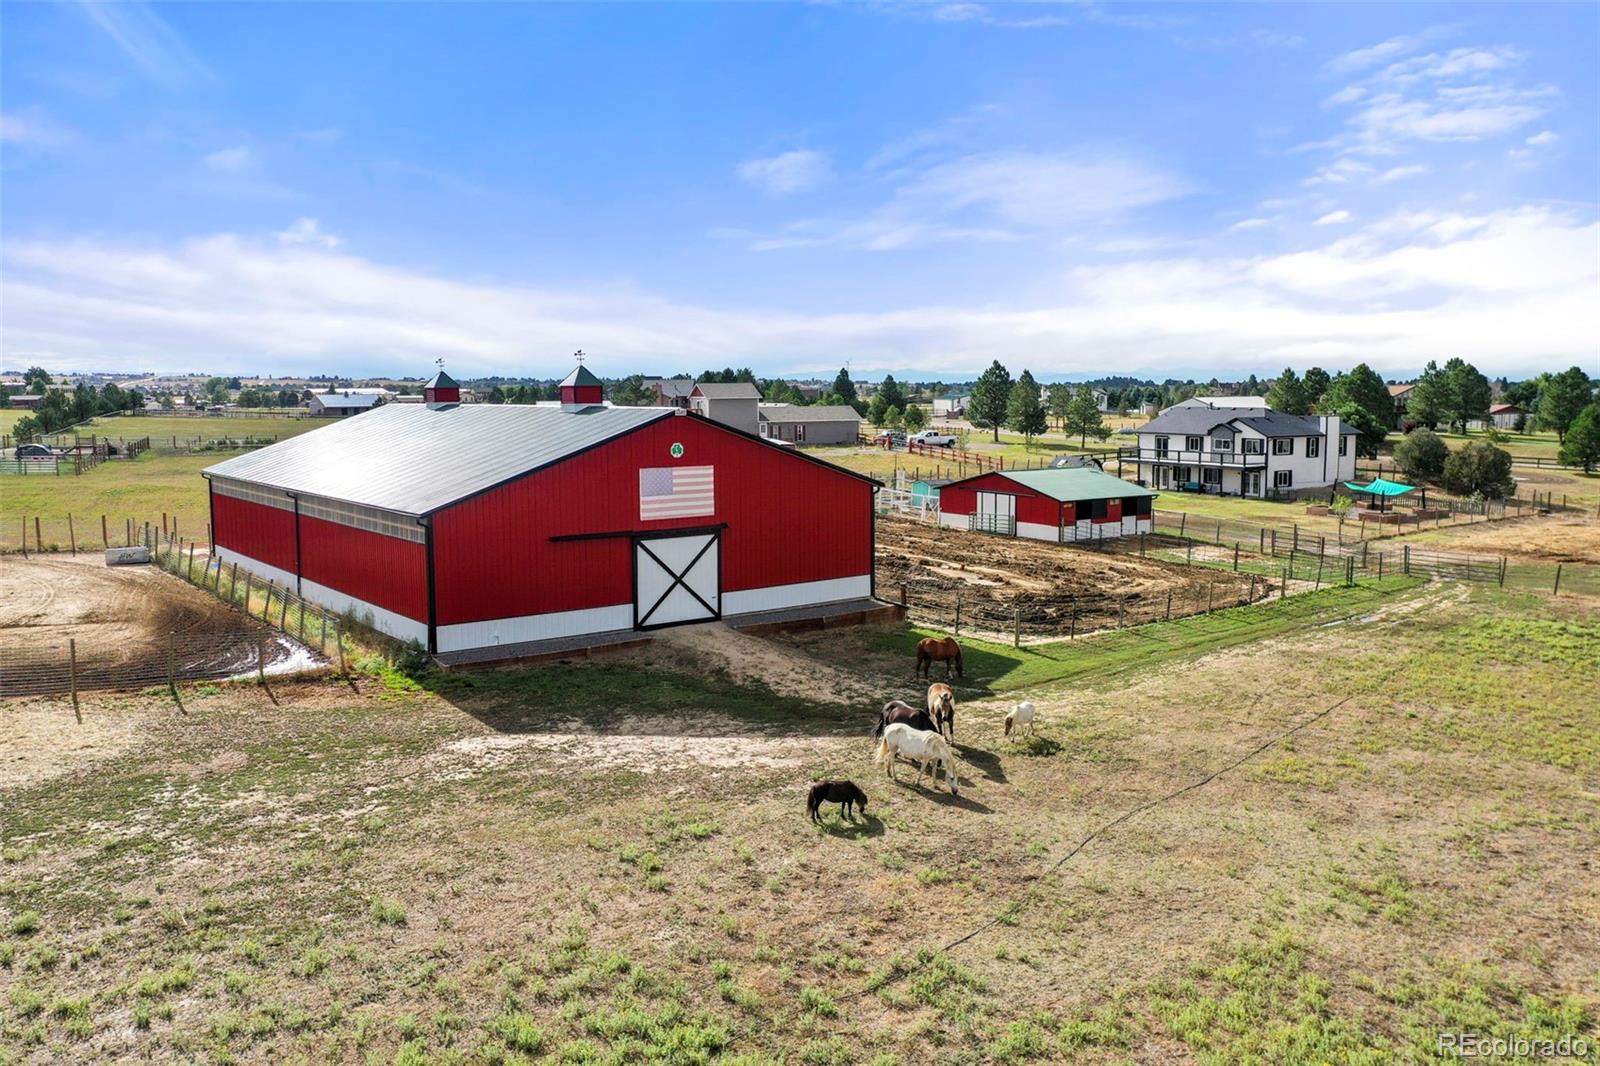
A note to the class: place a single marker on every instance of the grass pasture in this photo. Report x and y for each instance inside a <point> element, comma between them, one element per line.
<point>142,489</point>
<point>609,861</point>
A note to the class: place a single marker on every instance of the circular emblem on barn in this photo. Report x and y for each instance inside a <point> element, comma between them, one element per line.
<point>677,450</point>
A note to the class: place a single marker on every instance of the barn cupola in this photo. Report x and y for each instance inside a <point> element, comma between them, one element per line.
<point>441,389</point>
<point>581,389</point>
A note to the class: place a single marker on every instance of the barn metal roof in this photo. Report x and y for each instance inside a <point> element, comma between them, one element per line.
<point>1079,483</point>
<point>415,459</point>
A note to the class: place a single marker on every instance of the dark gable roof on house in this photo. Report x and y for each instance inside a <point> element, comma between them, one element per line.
<point>1198,421</point>
<point>412,459</point>
<point>788,412</point>
<point>733,390</point>
<point>671,387</point>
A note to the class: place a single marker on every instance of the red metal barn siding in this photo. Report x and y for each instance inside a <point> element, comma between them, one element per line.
<point>384,571</point>
<point>263,533</point>
<point>1033,508</point>
<point>789,521</point>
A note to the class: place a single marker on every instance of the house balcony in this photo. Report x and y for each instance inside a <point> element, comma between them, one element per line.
<point>1180,457</point>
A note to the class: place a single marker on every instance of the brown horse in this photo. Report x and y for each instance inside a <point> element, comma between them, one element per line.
<point>939,649</point>
<point>898,711</point>
<point>942,706</point>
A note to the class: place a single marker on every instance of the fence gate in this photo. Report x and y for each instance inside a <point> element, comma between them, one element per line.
<point>677,579</point>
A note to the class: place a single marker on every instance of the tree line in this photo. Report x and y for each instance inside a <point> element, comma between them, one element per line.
<point>61,408</point>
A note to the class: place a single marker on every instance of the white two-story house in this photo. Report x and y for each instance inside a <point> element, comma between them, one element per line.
<point>1243,451</point>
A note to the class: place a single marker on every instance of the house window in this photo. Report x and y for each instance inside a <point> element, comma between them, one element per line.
<point>1344,444</point>
<point>1221,444</point>
<point>1283,446</point>
<point>1313,447</point>
<point>1253,446</point>
<point>1191,444</point>
<point>1161,446</point>
<point>1282,479</point>
<point>1210,475</point>
<point>800,431</point>
<point>766,429</point>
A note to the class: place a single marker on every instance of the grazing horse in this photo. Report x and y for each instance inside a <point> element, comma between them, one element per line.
<point>1021,715</point>
<point>898,711</point>
<point>926,748</point>
<point>939,649</point>
<point>844,793</point>
<point>942,706</point>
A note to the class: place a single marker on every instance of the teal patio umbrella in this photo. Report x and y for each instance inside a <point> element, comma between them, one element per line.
<point>1381,491</point>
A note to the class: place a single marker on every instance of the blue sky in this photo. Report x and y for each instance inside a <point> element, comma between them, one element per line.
<point>1079,189</point>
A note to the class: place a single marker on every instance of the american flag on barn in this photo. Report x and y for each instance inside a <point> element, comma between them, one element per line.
<point>676,492</point>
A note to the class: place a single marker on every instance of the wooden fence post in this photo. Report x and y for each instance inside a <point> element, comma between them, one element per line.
<point>266,605</point>
<point>1405,559</point>
<point>1016,627</point>
<point>261,660</point>
<point>1557,590</point>
<point>958,613</point>
<point>1252,588</point>
<point>72,662</point>
<point>1236,557</point>
<point>1380,566</point>
<point>172,663</point>
<point>1169,606</point>
<point>38,541</point>
<point>1183,520</point>
<point>1502,571</point>
<point>338,640</point>
<point>72,534</point>
<point>1211,595</point>
<point>1319,570</point>
<point>24,538</point>
<point>1072,623</point>
<point>105,538</point>
<point>283,612</point>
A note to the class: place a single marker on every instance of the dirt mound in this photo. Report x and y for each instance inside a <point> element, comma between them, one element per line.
<point>747,659</point>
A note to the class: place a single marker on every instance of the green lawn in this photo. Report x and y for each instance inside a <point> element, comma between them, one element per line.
<point>205,428</point>
<point>140,489</point>
<point>9,417</point>
<point>1524,445</point>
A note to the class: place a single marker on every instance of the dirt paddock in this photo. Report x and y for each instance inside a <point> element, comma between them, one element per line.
<point>121,619</point>
<point>997,576</point>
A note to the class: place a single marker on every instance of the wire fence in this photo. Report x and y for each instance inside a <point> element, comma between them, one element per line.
<point>275,633</point>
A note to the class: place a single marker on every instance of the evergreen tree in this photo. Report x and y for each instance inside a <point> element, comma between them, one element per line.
<point>1467,393</point>
<point>991,397</point>
<point>1060,403</point>
<point>845,388</point>
<point>1479,468</point>
<point>877,410</point>
<point>1564,397</point>
<point>1083,417</point>
<point>1315,385</point>
<point>916,418</point>
<point>1425,406</point>
<point>1287,395</point>
<point>892,394</point>
<point>1581,444</point>
<point>1025,411</point>
<point>37,381</point>
<point>1363,391</point>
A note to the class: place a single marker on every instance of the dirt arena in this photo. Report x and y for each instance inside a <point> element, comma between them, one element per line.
<point>1047,582</point>
<point>121,619</point>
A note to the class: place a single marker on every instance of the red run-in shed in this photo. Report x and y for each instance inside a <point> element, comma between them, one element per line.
<point>471,526</point>
<point>1060,504</point>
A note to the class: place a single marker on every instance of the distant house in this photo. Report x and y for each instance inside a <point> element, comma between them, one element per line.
<point>1401,395</point>
<point>733,404</point>
<point>343,404</point>
<point>1259,402</point>
<point>27,401</point>
<point>809,425</point>
<point>950,406</point>
<point>670,392</point>
<point>1501,416</point>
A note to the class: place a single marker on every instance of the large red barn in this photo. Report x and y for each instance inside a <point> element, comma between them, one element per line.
<point>475,526</point>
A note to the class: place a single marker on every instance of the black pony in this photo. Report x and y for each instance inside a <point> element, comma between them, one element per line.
<point>841,792</point>
<point>898,711</point>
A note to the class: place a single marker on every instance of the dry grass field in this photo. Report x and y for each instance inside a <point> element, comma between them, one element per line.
<point>609,861</point>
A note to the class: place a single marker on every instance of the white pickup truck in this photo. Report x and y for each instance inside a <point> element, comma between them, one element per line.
<point>932,438</point>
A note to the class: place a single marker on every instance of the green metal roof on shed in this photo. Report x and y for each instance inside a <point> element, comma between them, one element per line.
<point>580,375</point>
<point>1082,483</point>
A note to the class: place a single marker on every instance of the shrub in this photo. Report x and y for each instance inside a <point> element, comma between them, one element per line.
<point>1479,467</point>
<point>412,660</point>
<point>1422,454</point>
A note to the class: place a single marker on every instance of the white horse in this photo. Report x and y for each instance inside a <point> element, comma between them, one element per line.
<point>1021,715</point>
<point>925,748</point>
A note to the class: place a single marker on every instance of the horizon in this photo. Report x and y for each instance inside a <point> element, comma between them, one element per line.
<point>1180,192</point>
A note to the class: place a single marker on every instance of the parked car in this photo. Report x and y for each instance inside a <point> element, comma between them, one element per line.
<point>891,437</point>
<point>934,438</point>
<point>34,452</point>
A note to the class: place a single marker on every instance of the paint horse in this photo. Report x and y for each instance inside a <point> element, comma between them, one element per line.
<point>939,649</point>
<point>942,708</point>
<point>897,711</point>
<point>924,747</point>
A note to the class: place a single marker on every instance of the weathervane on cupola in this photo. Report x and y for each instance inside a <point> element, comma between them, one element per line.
<point>581,389</point>
<point>441,389</point>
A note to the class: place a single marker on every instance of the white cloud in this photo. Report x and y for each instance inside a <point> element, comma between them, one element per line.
<point>1333,218</point>
<point>1251,223</point>
<point>153,46</point>
<point>789,172</point>
<point>34,130</point>
<point>1340,171</point>
<point>1511,291</point>
<point>1542,138</point>
<point>1400,173</point>
<point>308,231</point>
<point>996,196</point>
<point>230,160</point>
<point>1384,51</point>
<point>321,135</point>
